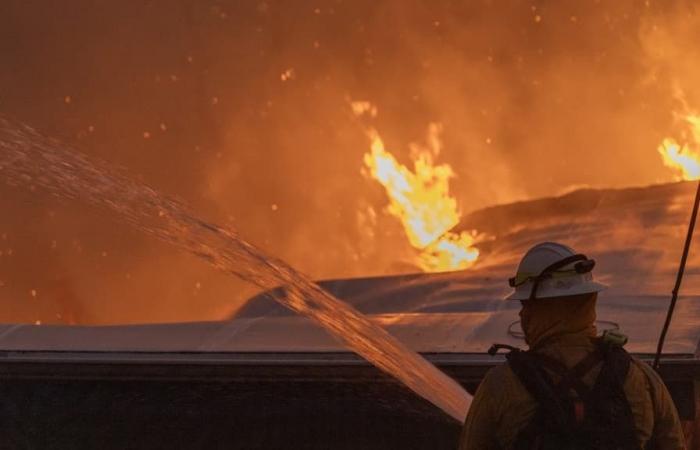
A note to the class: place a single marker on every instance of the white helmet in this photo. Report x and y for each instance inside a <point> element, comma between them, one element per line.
<point>553,270</point>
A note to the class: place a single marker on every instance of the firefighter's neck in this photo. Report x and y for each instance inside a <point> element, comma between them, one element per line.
<point>552,319</point>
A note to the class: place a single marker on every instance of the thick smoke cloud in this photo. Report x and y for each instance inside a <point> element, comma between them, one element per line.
<point>241,109</point>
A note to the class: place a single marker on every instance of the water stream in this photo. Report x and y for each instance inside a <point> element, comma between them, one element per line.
<point>31,160</point>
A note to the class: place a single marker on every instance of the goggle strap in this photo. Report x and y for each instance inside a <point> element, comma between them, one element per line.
<point>558,265</point>
<point>564,262</point>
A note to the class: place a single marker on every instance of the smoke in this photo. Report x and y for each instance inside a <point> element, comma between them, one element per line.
<point>667,39</point>
<point>241,109</point>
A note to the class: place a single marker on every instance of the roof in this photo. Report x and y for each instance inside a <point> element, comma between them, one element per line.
<point>447,332</point>
<point>636,236</point>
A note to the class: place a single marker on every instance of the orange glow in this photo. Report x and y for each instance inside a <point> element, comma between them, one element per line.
<point>684,159</point>
<point>420,199</point>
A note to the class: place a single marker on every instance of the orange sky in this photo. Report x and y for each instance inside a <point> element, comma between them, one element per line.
<point>241,109</point>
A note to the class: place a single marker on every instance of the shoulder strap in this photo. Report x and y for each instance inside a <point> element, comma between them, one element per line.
<point>559,417</point>
<point>571,378</point>
<point>538,384</point>
<point>617,361</point>
<point>607,421</point>
<point>610,415</point>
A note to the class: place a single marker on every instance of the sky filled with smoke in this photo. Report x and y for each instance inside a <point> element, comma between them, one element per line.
<point>241,109</point>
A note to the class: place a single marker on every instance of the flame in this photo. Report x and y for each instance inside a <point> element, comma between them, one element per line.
<point>684,159</point>
<point>420,199</point>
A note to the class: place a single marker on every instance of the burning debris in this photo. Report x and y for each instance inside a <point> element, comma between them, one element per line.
<point>420,199</point>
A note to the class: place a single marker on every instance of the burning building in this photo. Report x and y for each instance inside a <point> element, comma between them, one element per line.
<point>220,383</point>
<point>406,153</point>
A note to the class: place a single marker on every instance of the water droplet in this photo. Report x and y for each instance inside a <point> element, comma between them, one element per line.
<point>33,293</point>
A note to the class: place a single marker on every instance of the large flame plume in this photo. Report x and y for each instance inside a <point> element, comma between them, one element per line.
<point>420,199</point>
<point>685,158</point>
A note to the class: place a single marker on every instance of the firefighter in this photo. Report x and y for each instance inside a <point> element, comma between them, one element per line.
<point>571,389</point>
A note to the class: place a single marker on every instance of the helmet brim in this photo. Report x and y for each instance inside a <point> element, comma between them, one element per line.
<point>588,287</point>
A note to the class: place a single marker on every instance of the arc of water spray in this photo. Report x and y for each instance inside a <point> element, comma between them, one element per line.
<point>30,159</point>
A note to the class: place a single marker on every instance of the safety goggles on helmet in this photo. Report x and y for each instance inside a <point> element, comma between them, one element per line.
<point>583,265</point>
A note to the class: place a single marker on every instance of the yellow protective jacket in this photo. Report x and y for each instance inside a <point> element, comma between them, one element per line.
<point>502,406</point>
